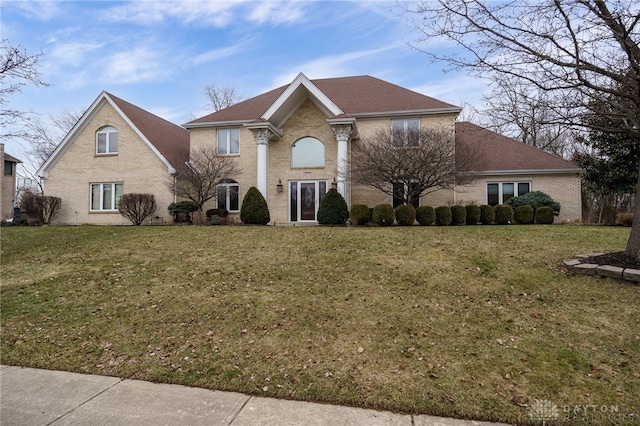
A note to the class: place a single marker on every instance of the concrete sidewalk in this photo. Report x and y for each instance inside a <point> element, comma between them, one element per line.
<point>43,397</point>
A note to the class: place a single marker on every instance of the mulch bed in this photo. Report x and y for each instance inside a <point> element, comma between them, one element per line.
<point>614,259</point>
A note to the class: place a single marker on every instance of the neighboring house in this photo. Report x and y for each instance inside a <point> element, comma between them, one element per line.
<point>7,184</point>
<point>294,142</point>
<point>507,168</point>
<point>115,148</point>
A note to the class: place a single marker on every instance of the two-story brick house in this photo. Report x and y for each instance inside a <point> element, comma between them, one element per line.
<point>293,143</point>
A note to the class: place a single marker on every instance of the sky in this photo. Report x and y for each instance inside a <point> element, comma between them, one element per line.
<point>159,55</point>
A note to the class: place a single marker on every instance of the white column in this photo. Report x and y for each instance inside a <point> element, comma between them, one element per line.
<point>262,137</point>
<point>343,134</point>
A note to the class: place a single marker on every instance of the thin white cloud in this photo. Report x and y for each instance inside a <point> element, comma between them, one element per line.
<point>134,66</point>
<point>220,53</point>
<point>74,53</point>
<point>458,90</point>
<point>276,12</point>
<point>40,10</point>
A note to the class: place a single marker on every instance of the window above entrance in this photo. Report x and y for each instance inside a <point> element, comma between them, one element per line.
<point>307,152</point>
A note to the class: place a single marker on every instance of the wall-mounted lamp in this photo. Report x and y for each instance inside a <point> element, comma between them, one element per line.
<point>334,184</point>
<point>279,186</point>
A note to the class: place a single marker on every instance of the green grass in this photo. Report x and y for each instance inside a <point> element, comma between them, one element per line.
<point>471,322</point>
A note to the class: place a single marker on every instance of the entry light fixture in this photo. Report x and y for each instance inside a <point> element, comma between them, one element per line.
<point>279,186</point>
<point>334,184</point>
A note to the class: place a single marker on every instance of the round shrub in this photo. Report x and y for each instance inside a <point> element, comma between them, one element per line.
<point>443,215</point>
<point>544,215</point>
<point>458,215</point>
<point>473,214</point>
<point>383,215</point>
<point>405,215</point>
<point>487,214</point>
<point>360,215</point>
<point>523,215</point>
<point>254,210</point>
<point>535,199</point>
<point>504,214</point>
<point>425,215</point>
<point>333,209</point>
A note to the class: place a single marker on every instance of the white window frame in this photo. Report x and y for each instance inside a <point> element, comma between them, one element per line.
<point>227,193</point>
<point>111,140</point>
<point>516,192</point>
<point>115,195</point>
<point>405,124</point>
<point>226,143</point>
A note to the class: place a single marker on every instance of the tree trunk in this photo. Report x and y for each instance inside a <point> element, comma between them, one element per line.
<point>633,244</point>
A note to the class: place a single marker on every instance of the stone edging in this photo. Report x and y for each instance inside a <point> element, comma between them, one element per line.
<point>578,265</point>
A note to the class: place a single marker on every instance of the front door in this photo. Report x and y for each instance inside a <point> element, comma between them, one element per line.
<point>305,197</point>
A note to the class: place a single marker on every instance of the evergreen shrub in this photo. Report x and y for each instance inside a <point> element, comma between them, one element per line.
<point>254,210</point>
<point>487,214</point>
<point>360,215</point>
<point>473,214</point>
<point>383,215</point>
<point>523,215</point>
<point>535,199</point>
<point>504,214</point>
<point>443,215</point>
<point>425,215</point>
<point>333,209</point>
<point>544,215</point>
<point>405,215</point>
<point>458,215</point>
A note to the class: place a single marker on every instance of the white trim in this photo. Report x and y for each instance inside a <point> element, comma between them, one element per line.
<point>524,172</point>
<point>409,113</point>
<point>230,123</point>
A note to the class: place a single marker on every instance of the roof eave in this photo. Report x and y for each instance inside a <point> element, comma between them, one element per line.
<point>407,113</point>
<point>525,172</point>
<point>230,123</point>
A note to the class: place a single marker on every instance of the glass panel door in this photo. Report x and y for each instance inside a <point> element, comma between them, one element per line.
<point>307,201</point>
<point>304,199</point>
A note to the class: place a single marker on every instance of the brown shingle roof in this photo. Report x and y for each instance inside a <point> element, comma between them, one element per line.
<point>499,153</point>
<point>354,95</point>
<point>170,140</point>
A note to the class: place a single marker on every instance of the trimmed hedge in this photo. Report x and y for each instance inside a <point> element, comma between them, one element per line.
<point>360,215</point>
<point>383,215</point>
<point>523,215</point>
<point>405,215</point>
<point>544,215</point>
<point>535,199</point>
<point>333,209</point>
<point>504,214</point>
<point>458,215</point>
<point>222,213</point>
<point>487,214</point>
<point>443,215</point>
<point>254,210</point>
<point>425,215</point>
<point>473,214</point>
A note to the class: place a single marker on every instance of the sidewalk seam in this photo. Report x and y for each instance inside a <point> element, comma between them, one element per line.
<point>240,410</point>
<point>85,402</point>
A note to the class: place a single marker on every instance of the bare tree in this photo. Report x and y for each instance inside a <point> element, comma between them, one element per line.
<point>410,165</point>
<point>137,207</point>
<point>199,178</point>
<point>580,52</point>
<point>17,68</point>
<point>221,97</point>
<point>522,111</point>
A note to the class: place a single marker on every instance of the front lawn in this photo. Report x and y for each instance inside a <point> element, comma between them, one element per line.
<point>471,322</point>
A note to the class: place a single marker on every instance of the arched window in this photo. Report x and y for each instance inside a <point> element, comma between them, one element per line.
<point>228,195</point>
<point>307,152</point>
<point>107,140</point>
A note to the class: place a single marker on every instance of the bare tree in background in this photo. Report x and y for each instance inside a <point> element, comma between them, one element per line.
<point>17,68</point>
<point>523,112</point>
<point>221,97</point>
<point>199,178</point>
<point>580,52</point>
<point>408,165</point>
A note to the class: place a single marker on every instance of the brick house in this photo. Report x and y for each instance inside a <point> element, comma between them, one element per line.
<point>7,184</point>
<point>292,144</point>
<point>116,147</point>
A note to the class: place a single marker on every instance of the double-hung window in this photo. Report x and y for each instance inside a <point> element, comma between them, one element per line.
<point>501,192</point>
<point>228,141</point>
<point>228,196</point>
<point>107,140</point>
<point>405,132</point>
<point>106,196</point>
